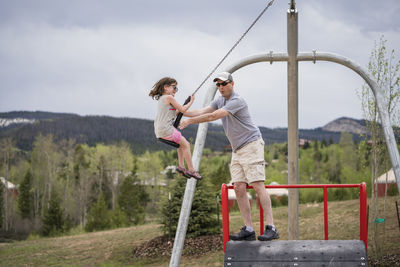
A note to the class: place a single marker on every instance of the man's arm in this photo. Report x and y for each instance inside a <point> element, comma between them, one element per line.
<point>198,112</point>
<point>213,116</point>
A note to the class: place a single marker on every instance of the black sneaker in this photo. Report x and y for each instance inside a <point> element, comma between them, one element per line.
<point>243,235</point>
<point>269,234</point>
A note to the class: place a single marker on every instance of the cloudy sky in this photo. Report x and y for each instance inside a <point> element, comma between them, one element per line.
<point>93,57</point>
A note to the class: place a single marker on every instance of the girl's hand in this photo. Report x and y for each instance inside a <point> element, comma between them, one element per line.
<point>192,98</point>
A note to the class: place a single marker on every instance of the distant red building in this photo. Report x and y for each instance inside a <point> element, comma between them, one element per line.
<point>385,180</point>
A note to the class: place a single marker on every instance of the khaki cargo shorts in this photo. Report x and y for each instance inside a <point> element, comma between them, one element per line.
<point>247,164</point>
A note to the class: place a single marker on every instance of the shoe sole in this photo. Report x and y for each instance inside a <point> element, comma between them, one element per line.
<point>261,238</point>
<point>183,174</point>
<point>250,238</point>
<point>194,176</point>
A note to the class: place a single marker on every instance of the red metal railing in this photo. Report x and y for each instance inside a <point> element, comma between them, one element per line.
<point>363,207</point>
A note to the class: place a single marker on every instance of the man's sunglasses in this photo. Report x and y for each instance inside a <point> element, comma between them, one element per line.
<point>222,84</point>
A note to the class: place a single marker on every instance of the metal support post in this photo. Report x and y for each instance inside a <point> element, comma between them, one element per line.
<point>293,125</point>
<point>190,187</point>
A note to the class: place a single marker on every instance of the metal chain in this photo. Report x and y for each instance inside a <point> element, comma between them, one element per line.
<point>233,47</point>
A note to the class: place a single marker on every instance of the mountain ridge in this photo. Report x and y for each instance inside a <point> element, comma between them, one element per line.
<point>346,124</point>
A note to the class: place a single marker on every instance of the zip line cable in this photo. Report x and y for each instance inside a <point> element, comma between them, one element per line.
<point>234,46</point>
<point>179,116</point>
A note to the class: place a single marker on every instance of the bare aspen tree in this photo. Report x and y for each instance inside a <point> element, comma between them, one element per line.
<point>83,181</point>
<point>121,165</point>
<point>67,149</point>
<point>100,165</point>
<point>385,70</point>
<point>7,149</point>
<point>45,163</point>
<point>149,173</point>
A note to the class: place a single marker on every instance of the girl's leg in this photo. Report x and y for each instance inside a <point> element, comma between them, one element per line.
<point>181,163</point>
<point>185,146</point>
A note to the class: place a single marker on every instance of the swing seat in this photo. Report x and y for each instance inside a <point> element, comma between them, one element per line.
<point>169,142</point>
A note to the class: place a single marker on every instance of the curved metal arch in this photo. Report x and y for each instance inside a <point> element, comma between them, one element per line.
<point>324,56</point>
<point>270,57</point>
<point>379,100</point>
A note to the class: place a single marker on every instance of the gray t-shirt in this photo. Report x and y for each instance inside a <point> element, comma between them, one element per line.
<point>238,126</point>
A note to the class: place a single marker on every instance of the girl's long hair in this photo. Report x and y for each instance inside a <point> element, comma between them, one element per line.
<point>158,88</point>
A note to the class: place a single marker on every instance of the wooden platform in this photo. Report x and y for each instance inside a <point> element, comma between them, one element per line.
<point>296,253</point>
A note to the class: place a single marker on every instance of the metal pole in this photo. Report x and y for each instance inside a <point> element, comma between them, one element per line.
<point>225,214</point>
<point>293,125</point>
<point>363,215</point>
<point>190,187</point>
<point>326,213</point>
<point>169,215</point>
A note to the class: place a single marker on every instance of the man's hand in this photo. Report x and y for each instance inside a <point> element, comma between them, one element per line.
<point>218,114</point>
<point>184,124</point>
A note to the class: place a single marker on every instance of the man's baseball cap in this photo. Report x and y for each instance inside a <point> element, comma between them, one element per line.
<point>223,76</point>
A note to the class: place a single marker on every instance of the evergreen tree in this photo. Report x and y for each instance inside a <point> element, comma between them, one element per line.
<point>133,199</point>
<point>330,141</point>
<point>25,197</point>
<point>306,145</point>
<point>220,176</point>
<point>118,218</point>
<point>317,153</point>
<point>99,216</point>
<point>323,143</point>
<point>276,154</point>
<point>202,220</point>
<point>53,222</point>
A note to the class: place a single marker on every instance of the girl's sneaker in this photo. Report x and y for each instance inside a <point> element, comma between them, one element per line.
<point>194,174</point>
<point>183,172</point>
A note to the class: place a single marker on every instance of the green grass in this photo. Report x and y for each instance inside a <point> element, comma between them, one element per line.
<point>114,247</point>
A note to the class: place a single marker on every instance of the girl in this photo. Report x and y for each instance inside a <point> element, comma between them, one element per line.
<point>164,91</point>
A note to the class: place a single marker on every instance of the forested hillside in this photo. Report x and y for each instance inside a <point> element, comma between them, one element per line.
<point>138,133</point>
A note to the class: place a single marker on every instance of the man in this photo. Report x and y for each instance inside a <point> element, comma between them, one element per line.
<point>247,163</point>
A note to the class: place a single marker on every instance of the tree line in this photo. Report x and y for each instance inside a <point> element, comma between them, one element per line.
<point>60,183</point>
<point>64,185</point>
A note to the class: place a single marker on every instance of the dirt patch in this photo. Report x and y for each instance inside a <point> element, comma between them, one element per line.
<point>162,246</point>
<point>387,260</point>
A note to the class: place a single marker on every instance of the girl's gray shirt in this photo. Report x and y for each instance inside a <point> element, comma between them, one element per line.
<point>238,125</point>
<point>163,123</point>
